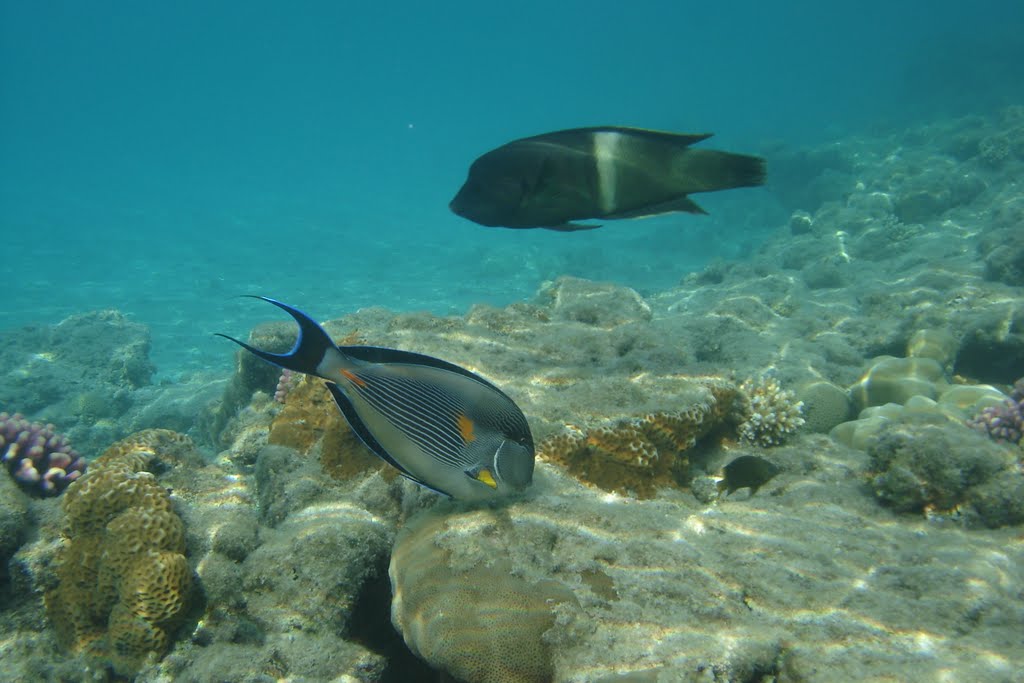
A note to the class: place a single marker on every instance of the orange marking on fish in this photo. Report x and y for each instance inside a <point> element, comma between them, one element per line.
<point>352,377</point>
<point>466,428</point>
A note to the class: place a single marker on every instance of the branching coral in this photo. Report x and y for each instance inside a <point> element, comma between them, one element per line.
<point>1004,422</point>
<point>774,413</point>
<point>39,459</point>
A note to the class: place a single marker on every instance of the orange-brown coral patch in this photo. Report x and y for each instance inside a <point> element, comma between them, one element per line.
<point>310,418</point>
<point>638,455</point>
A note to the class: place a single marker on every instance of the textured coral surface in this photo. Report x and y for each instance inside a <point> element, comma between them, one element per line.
<point>122,573</point>
<point>641,454</point>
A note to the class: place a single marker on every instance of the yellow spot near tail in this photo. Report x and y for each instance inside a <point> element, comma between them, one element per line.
<point>466,428</point>
<point>351,377</point>
<point>486,477</point>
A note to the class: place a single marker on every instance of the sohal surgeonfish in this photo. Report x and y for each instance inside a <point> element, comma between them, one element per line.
<point>549,181</point>
<point>440,425</point>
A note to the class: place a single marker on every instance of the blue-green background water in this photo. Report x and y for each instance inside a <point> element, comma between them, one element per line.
<point>160,157</point>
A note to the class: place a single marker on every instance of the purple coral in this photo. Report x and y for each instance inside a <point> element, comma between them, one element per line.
<point>1004,422</point>
<point>39,459</point>
<point>285,383</point>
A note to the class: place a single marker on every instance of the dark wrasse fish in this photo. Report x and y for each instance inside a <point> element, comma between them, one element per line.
<point>440,425</point>
<point>747,471</point>
<point>548,181</point>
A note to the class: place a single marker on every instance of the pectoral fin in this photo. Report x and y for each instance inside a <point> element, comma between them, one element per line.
<point>682,204</point>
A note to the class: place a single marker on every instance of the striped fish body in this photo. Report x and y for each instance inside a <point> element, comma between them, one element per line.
<point>451,432</point>
<point>439,424</point>
<point>548,181</point>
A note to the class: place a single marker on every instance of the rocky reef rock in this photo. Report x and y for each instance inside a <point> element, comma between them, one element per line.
<point>809,577</point>
<point>919,466</point>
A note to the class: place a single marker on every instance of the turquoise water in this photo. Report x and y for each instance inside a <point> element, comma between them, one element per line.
<point>160,158</point>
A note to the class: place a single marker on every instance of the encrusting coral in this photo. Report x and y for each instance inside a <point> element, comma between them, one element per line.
<point>640,454</point>
<point>309,419</point>
<point>122,576</point>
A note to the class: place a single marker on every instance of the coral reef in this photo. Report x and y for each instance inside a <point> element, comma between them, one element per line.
<point>40,460</point>
<point>669,588</point>
<point>594,303</point>
<point>639,455</point>
<point>251,375</point>
<point>290,563</point>
<point>939,345</point>
<point>122,576</point>
<point>773,413</point>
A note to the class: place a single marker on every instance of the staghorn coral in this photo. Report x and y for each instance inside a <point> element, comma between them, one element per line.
<point>122,576</point>
<point>774,413</point>
<point>40,460</point>
<point>640,454</point>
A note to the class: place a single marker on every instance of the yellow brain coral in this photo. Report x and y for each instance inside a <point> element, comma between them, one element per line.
<point>122,574</point>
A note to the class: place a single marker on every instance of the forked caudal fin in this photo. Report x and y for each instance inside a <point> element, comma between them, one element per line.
<point>310,347</point>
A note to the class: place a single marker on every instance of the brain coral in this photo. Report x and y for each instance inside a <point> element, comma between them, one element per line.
<point>122,576</point>
<point>640,454</point>
<point>825,406</point>
<point>479,624</point>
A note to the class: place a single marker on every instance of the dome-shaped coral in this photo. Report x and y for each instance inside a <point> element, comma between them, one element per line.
<point>122,574</point>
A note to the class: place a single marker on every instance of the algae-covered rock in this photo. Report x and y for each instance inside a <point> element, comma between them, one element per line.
<point>14,520</point>
<point>923,467</point>
<point>594,303</point>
